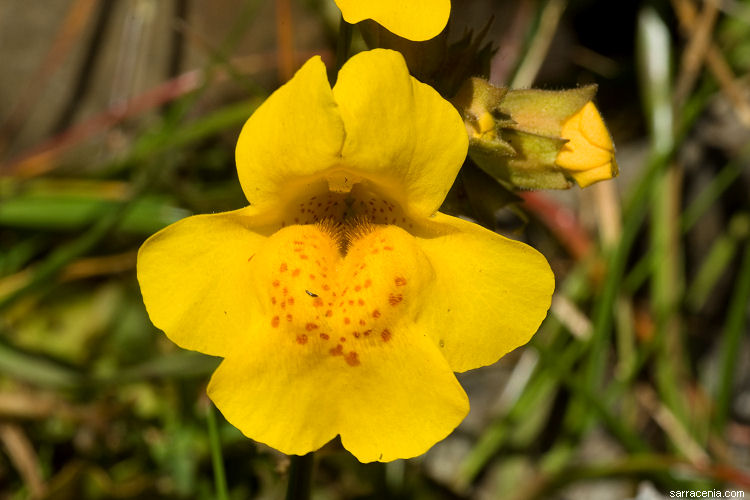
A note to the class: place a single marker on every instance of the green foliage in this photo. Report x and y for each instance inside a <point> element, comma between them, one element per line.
<point>642,356</point>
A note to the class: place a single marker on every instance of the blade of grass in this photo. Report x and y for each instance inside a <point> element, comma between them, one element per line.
<point>654,57</point>
<point>718,260</point>
<point>66,213</point>
<point>731,339</point>
<point>639,272</point>
<point>36,370</point>
<point>220,480</point>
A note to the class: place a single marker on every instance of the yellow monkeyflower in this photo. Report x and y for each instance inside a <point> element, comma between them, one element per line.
<point>589,154</point>
<point>340,300</point>
<point>416,20</point>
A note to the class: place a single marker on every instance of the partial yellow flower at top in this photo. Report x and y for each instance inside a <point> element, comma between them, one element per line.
<point>340,300</point>
<point>416,20</point>
<point>589,154</point>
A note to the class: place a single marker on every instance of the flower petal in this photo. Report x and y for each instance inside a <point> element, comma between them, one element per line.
<point>194,278</point>
<point>415,20</point>
<point>294,134</point>
<point>490,294</point>
<point>400,133</point>
<point>394,400</point>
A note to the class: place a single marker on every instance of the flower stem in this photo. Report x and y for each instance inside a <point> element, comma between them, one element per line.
<point>344,43</point>
<point>300,477</point>
<point>216,458</point>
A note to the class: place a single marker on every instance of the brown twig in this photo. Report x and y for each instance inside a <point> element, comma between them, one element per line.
<point>717,64</point>
<point>42,158</point>
<point>77,18</point>
<point>694,55</point>
<point>24,458</point>
<point>285,39</point>
<point>561,222</point>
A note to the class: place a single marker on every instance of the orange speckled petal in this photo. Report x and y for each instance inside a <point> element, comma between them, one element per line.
<point>339,353</point>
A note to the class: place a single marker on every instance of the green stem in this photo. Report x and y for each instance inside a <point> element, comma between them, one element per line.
<point>344,44</point>
<point>300,477</point>
<point>216,458</point>
<point>732,338</point>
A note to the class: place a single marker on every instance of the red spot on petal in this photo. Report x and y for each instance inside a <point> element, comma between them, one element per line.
<point>302,339</point>
<point>395,298</point>
<point>362,322</point>
<point>250,258</point>
<point>356,335</point>
<point>318,302</point>
<point>283,267</point>
<point>361,302</point>
<point>324,336</point>
<point>367,333</point>
<point>275,283</point>
<point>368,283</point>
<point>357,288</point>
<point>376,314</point>
<point>275,322</point>
<point>312,276</point>
<point>326,287</point>
<point>303,257</point>
<point>329,313</point>
<point>351,302</point>
<point>289,317</point>
<point>347,321</point>
<point>273,300</point>
<point>386,335</point>
<point>295,273</point>
<point>342,339</point>
<point>337,351</point>
<point>388,248</point>
<point>352,359</point>
<point>310,327</point>
<point>290,301</point>
<point>400,281</point>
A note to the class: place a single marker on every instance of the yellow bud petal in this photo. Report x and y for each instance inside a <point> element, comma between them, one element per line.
<point>588,156</point>
<point>486,124</point>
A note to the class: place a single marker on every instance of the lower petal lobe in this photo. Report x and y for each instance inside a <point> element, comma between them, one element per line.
<point>338,352</point>
<point>490,293</point>
<point>195,279</point>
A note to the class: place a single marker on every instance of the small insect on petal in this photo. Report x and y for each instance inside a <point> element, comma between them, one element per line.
<point>308,292</point>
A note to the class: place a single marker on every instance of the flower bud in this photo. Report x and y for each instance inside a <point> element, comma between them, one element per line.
<point>537,139</point>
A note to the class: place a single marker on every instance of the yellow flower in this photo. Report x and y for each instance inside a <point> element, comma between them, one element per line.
<point>589,154</point>
<point>340,300</point>
<point>416,20</point>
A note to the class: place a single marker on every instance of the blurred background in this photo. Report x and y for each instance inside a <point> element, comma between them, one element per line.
<point>120,117</point>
